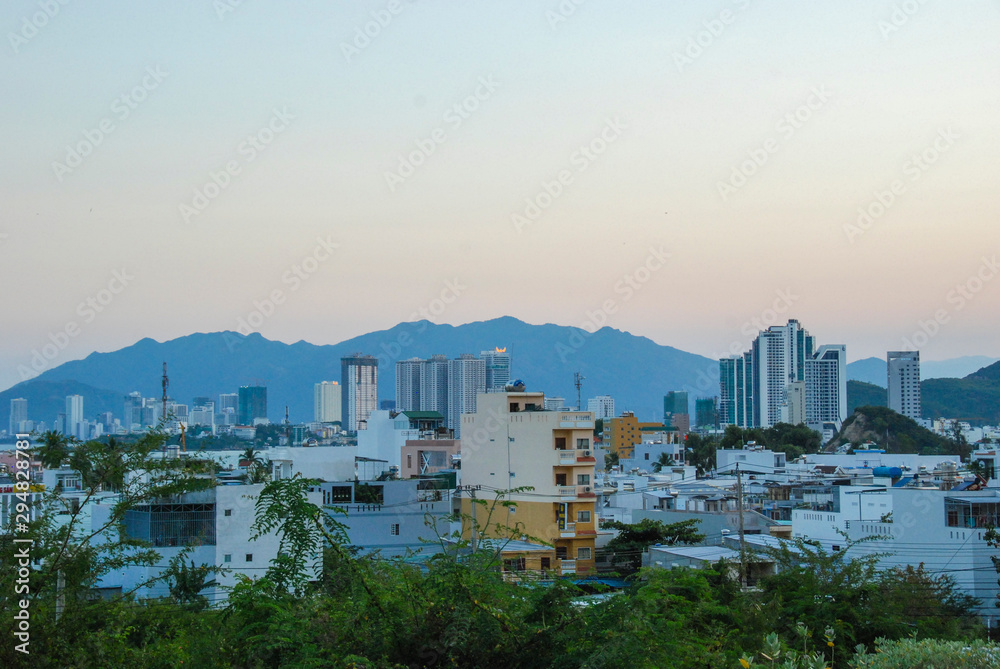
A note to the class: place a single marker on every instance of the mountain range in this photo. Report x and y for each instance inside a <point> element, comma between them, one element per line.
<point>873,370</point>
<point>635,370</point>
<point>974,398</point>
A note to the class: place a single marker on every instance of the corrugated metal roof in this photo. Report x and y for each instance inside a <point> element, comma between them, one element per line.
<point>708,553</point>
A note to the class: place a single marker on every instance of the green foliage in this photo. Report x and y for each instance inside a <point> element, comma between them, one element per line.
<point>627,547</point>
<point>894,432</point>
<point>793,440</point>
<point>976,398</point>
<point>701,452</point>
<point>861,394</point>
<point>610,460</point>
<point>258,469</point>
<point>457,609</point>
<point>930,653</point>
<point>188,581</point>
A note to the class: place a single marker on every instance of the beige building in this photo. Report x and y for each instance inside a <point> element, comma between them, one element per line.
<point>512,442</point>
<point>422,457</point>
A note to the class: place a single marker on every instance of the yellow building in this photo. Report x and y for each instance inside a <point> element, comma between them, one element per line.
<point>512,442</point>
<point>623,433</point>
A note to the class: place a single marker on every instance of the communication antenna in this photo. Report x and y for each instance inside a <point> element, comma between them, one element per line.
<point>578,382</point>
<point>165,382</point>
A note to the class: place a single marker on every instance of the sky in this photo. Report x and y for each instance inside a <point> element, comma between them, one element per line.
<point>685,171</point>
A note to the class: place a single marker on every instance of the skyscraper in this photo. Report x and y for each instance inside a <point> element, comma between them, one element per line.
<point>903,369</point>
<point>706,412</point>
<point>229,401</point>
<point>434,385</point>
<point>466,379</point>
<point>676,412</point>
<point>602,406</point>
<point>736,390</point>
<point>754,387</point>
<point>18,414</point>
<point>497,369</point>
<point>132,415</point>
<point>252,404</point>
<point>74,416</point>
<point>408,374</point>
<point>359,395</point>
<point>826,386</point>
<point>779,357</point>
<point>327,402</point>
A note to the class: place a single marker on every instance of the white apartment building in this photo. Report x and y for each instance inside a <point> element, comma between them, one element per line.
<point>602,406</point>
<point>903,368</point>
<point>327,402</point>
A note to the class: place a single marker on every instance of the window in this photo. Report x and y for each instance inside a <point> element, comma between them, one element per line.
<point>228,512</point>
<point>249,557</point>
<point>583,553</point>
<point>228,557</point>
<point>583,516</point>
<point>583,479</point>
<point>340,494</point>
<point>561,443</point>
<point>647,456</point>
<point>560,552</point>
<point>409,461</point>
<point>394,529</point>
<point>546,563</point>
<point>560,479</point>
<point>514,564</point>
<point>583,444</point>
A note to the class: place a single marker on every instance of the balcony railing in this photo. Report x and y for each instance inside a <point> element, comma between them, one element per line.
<point>568,532</point>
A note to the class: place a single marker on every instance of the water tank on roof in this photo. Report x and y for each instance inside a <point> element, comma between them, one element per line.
<point>887,472</point>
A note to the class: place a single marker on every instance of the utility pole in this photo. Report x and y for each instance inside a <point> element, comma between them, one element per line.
<point>743,547</point>
<point>471,489</point>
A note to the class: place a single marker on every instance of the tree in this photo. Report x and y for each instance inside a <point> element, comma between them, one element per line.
<point>73,548</point>
<point>610,460</point>
<point>187,582</point>
<point>258,469</point>
<point>701,453</point>
<point>663,461</point>
<point>627,547</point>
<point>54,450</point>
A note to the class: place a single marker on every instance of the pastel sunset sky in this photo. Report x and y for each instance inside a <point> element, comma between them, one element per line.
<point>168,168</point>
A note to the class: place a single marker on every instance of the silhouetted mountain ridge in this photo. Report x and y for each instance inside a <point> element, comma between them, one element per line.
<point>635,370</point>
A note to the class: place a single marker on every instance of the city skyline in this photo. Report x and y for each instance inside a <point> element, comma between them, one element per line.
<point>160,163</point>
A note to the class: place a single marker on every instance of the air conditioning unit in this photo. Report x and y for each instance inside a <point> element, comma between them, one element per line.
<point>586,489</point>
<point>586,454</point>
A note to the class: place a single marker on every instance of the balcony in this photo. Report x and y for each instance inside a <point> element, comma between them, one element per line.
<point>572,492</point>
<point>568,532</point>
<point>576,457</point>
<point>568,566</point>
